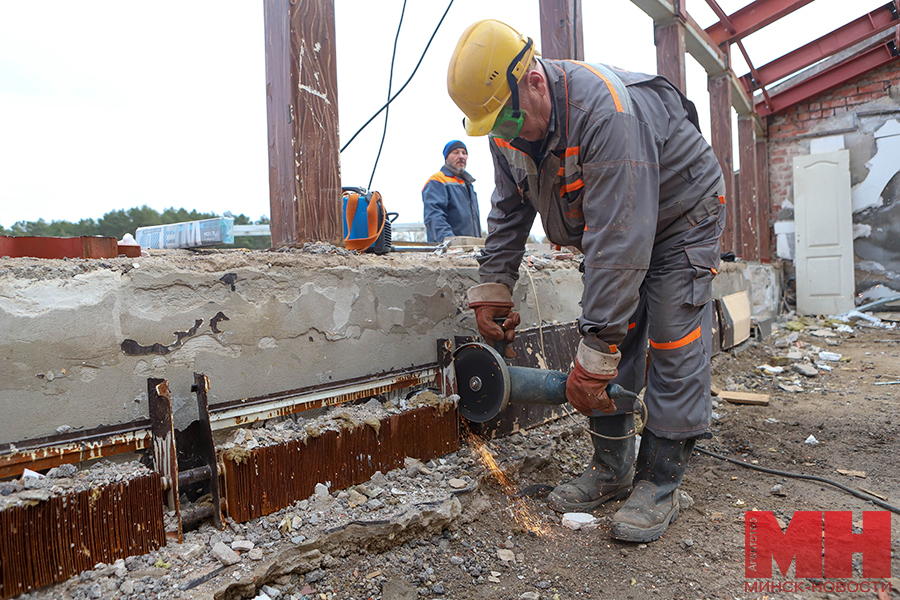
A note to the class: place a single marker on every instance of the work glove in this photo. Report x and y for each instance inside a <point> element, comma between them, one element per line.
<point>594,369</point>
<point>492,301</point>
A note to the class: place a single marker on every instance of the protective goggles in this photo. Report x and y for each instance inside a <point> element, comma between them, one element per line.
<point>510,119</point>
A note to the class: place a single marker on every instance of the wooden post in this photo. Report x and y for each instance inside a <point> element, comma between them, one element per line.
<point>720,134</point>
<point>301,96</point>
<point>749,209</point>
<point>762,194</point>
<point>669,39</point>
<point>561,30</point>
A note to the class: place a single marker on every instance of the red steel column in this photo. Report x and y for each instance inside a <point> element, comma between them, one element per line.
<point>749,209</point>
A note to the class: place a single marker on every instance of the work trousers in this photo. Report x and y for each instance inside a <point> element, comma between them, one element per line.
<point>674,317</point>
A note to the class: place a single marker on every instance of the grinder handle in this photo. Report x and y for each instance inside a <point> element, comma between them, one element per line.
<point>500,345</point>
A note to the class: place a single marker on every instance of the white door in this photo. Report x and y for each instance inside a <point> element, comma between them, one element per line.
<point>823,234</point>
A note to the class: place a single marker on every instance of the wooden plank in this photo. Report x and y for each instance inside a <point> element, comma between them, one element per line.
<point>315,123</point>
<point>744,398</point>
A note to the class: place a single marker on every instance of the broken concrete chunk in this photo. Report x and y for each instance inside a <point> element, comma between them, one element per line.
<point>779,361</point>
<point>832,356</point>
<point>255,554</point>
<point>457,483</point>
<point>805,369</point>
<point>355,499</point>
<point>576,521</point>
<point>224,554</point>
<point>242,545</point>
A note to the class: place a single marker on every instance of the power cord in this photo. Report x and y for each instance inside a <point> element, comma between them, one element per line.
<point>394,97</point>
<point>387,110</point>
<point>857,493</point>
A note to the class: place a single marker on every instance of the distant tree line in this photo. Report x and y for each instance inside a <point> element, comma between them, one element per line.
<point>119,222</point>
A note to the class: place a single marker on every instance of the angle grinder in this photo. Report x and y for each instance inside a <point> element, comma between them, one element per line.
<point>487,385</point>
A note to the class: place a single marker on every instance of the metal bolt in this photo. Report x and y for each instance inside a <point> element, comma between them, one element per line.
<point>475,384</point>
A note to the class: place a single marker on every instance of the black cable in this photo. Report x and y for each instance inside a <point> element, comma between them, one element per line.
<point>390,82</point>
<point>858,494</point>
<point>421,58</point>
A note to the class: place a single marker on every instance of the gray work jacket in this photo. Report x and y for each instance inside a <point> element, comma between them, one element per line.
<point>623,165</point>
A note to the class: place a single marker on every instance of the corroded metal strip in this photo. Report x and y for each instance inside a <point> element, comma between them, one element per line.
<point>165,456</point>
<point>201,388</point>
<point>249,410</point>
<point>64,535</point>
<point>270,478</point>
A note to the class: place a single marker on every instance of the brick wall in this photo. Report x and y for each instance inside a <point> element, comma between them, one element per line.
<point>831,110</point>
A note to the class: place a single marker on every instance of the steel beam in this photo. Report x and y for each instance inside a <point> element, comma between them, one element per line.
<point>704,50</point>
<point>840,39</point>
<point>562,34</point>
<point>751,18</point>
<point>844,71</point>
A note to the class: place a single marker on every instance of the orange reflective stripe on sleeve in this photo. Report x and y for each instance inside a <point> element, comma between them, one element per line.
<point>571,151</point>
<point>505,144</point>
<point>631,326</point>
<point>695,334</point>
<point>613,348</point>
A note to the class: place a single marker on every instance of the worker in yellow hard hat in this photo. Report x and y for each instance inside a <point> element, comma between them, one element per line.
<point>614,163</point>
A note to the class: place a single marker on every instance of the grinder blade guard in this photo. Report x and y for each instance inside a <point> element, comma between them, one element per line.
<point>486,384</point>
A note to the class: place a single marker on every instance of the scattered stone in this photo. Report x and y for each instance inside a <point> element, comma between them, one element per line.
<point>189,552</point>
<point>314,576</point>
<point>273,593</point>
<point>456,560</point>
<point>255,554</point>
<point>831,356</point>
<point>457,483</point>
<point>794,389</point>
<point>823,333</point>
<point>224,554</point>
<point>530,596</point>
<point>779,361</point>
<point>687,543</point>
<point>355,499</point>
<point>811,440</point>
<point>395,589</point>
<point>805,369</point>
<point>438,589</point>
<point>242,546</point>
<point>777,490</point>
<point>506,555</point>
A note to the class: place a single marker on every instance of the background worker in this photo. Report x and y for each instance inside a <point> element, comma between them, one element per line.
<point>451,206</point>
<point>615,165</point>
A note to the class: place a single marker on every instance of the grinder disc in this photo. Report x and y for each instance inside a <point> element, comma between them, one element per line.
<point>482,380</point>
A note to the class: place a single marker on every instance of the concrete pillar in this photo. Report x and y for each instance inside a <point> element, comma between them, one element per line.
<point>301,98</point>
<point>749,209</point>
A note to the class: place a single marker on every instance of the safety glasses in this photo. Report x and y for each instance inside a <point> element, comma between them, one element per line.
<point>509,123</point>
<point>510,119</point>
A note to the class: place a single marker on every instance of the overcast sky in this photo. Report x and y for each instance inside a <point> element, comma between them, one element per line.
<point>108,105</point>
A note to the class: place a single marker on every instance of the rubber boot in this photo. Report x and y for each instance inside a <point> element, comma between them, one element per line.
<point>609,474</point>
<point>653,503</point>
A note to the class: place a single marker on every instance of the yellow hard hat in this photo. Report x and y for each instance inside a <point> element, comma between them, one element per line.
<point>487,54</point>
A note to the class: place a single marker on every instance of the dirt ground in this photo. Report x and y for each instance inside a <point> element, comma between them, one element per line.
<point>491,551</point>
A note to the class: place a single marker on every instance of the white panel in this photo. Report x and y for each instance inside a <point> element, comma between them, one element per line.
<point>823,234</point>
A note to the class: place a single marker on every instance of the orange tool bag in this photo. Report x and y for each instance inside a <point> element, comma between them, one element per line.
<point>367,227</point>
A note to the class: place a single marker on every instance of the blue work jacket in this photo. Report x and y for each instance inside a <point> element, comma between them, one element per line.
<point>451,207</point>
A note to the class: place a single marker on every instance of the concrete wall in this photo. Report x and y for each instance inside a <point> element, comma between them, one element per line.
<point>862,116</point>
<point>761,281</point>
<point>79,338</point>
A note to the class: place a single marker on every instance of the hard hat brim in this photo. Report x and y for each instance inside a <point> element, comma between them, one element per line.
<point>482,126</point>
